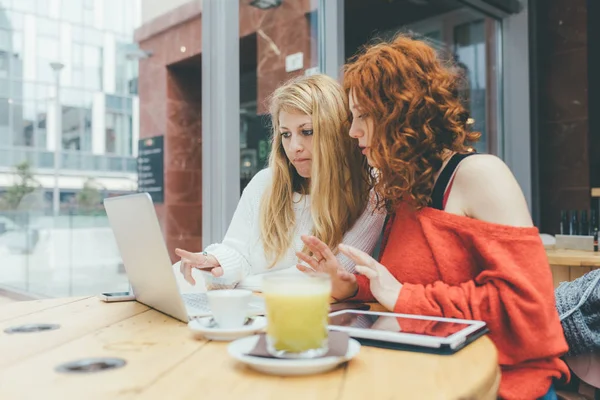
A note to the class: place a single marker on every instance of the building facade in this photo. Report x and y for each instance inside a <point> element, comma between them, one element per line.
<point>93,116</point>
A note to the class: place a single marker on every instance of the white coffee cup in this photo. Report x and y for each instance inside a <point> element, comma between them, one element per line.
<point>229,307</point>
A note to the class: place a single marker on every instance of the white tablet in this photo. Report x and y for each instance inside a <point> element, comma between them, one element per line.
<point>405,331</point>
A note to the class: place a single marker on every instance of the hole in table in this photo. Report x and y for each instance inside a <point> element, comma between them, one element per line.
<point>88,365</point>
<point>30,328</point>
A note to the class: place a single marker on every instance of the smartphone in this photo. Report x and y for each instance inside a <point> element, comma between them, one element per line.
<point>110,297</point>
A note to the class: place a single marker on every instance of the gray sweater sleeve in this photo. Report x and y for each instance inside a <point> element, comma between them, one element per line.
<point>578,305</point>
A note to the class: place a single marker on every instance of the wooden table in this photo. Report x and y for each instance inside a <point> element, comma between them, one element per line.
<point>165,362</point>
<point>568,265</point>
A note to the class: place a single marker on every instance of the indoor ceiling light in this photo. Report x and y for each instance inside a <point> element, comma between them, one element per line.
<point>265,4</point>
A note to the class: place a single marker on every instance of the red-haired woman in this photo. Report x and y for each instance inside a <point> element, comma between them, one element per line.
<point>460,242</point>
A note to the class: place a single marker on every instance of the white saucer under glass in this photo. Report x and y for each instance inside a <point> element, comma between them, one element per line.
<point>240,348</point>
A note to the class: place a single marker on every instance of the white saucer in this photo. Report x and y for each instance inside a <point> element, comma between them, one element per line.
<point>287,367</point>
<point>204,327</point>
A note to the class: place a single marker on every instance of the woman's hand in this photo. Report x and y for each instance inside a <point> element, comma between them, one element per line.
<point>384,286</point>
<point>343,283</point>
<point>201,261</point>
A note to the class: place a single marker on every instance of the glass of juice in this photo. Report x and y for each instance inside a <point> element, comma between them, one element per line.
<point>297,309</point>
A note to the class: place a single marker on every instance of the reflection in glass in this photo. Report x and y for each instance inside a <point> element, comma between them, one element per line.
<point>469,44</point>
<point>26,120</point>
<point>466,38</point>
<point>260,76</point>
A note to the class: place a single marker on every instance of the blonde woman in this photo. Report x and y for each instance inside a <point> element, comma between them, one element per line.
<point>316,184</point>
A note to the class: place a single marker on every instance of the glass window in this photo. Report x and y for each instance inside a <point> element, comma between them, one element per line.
<point>44,92</point>
<point>4,122</point>
<point>93,36</point>
<point>14,20</point>
<point>17,45</point>
<point>116,22</point>
<point>77,79</point>
<point>92,72</point>
<point>43,7</point>
<point>89,12</point>
<point>118,133</point>
<point>46,52</point>
<point>25,132</point>
<point>92,56</point>
<point>16,89</point>
<point>77,54</point>
<point>27,6</point>
<point>29,90</point>
<point>47,27</point>
<point>4,110</point>
<point>86,139</point>
<point>72,97</point>
<point>4,66</point>
<point>470,56</point>
<point>5,39</point>
<point>460,34</point>
<point>89,17</point>
<point>23,121</point>
<point>72,11</point>
<point>4,88</point>
<point>71,127</point>
<point>47,48</point>
<point>44,72</point>
<point>77,33</point>
<point>256,64</point>
<point>41,120</point>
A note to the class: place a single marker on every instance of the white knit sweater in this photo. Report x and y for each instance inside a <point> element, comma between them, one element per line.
<point>242,256</point>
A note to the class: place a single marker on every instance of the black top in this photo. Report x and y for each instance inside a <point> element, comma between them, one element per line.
<point>437,196</point>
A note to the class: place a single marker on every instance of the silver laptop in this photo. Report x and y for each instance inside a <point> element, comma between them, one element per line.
<point>144,253</point>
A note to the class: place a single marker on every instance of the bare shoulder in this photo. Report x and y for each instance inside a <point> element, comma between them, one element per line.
<point>489,191</point>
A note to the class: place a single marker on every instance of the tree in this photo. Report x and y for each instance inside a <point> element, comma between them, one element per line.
<point>24,185</point>
<point>89,197</point>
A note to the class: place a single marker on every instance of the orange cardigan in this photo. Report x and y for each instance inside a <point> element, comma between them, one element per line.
<point>459,267</point>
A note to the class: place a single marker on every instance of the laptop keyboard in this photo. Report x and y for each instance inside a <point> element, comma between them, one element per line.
<point>197,302</point>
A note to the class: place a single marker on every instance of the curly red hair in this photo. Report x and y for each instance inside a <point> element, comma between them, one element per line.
<point>413,99</point>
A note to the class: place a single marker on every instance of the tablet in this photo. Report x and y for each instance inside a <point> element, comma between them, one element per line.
<point>405,331</point>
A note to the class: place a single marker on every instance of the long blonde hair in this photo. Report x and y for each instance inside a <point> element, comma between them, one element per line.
<point>339,184</point>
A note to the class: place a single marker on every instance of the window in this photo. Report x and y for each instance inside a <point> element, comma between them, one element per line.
<point>47,27</point>
<point>40,124</point>
<point>27,6</point>
<point>470,56</point>
<point>4,66</point>
<point>72,11</point>
<point>92,67</point>
<point>71,127</point>
<point>118,134</point>
<point>46,53</point>
<point>23,121</point>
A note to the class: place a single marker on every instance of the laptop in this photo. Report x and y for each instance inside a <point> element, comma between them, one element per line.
<point>139,239</point>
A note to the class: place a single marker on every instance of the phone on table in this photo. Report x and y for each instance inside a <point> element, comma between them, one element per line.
<point>111,297</point>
